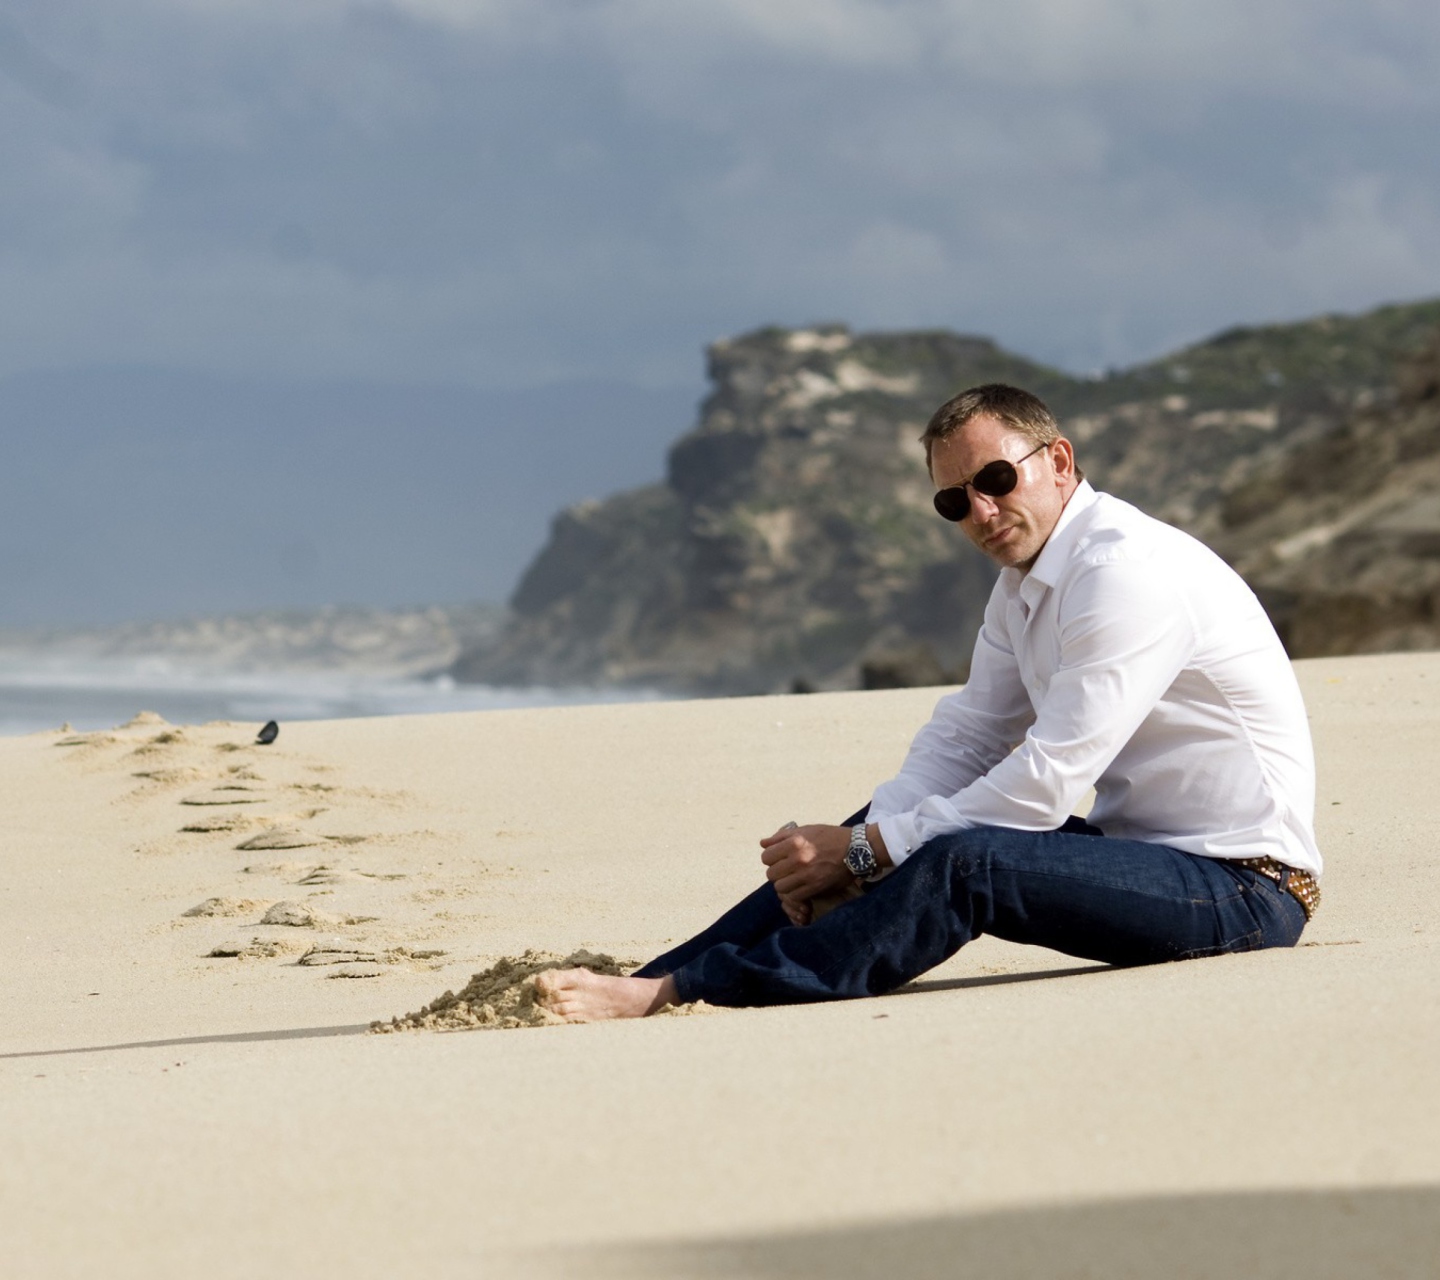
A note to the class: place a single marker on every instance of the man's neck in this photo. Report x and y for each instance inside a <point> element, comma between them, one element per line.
<point>1030,563</point>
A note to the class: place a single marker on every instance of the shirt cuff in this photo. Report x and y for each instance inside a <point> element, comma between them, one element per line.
<point>898,832</point>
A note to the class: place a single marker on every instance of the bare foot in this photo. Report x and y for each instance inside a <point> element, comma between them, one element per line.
<point>578,995</point>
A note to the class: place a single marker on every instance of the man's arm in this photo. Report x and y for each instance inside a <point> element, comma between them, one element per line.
<point>968,732</point>
<point>971,730</point>
<point>1126,633</point>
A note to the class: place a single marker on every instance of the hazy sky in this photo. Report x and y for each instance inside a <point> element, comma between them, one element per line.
<point>500,193</point>
<point>323,301</point>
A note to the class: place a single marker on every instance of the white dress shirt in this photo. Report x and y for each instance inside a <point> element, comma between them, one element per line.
<point>1133,659</point>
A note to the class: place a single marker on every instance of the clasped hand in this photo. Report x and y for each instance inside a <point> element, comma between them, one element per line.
<point>805,862</point>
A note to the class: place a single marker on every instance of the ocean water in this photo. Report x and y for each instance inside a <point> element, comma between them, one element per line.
<point>38,693</point>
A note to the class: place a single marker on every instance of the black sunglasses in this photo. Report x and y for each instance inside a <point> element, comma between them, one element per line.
<point>994,480</point>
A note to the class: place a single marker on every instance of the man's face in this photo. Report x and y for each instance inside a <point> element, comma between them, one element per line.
<point>1013,528</point>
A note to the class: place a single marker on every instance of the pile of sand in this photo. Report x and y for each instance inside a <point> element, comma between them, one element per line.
<point>502,997</point>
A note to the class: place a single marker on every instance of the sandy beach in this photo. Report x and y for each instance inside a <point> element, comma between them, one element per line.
<point>188,1083</point>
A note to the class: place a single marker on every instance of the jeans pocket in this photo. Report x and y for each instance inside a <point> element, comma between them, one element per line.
<point>1240,918</point>
<point>1279,913</point>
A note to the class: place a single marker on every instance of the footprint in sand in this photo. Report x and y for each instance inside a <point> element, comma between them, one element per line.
<point>298,915</point>
<point>255,949</point>
<point>301,915</point>
<point>226,907</point>
<point>329,875</point>
<point>229,793</point>
<point>214,776</point>
<point>326,955</point>
<point>221,822</point>
<point>348,962</point>
<point>279,870</point>
<point>160,742</point>
<point>83,747</point>
<point>105,738</point>
<point>172,776</point>
<point>338,875</point>
<point>418,953</point>
<point>85,740</point>
<point>280,838</point>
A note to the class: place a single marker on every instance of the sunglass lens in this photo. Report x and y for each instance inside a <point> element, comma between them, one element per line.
<point>996,479</point>
<point>953,504</point>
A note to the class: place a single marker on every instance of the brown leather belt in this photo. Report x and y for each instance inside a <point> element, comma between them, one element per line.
<point>1301,885</point>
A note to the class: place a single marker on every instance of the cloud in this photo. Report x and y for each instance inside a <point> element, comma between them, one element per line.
<point>486,191</point>
<point>25,65</point>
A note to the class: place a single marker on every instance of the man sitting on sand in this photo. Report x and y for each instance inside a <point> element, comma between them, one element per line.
<point>1116,653</point>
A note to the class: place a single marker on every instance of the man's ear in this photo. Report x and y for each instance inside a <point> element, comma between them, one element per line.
<point>1062,457</point>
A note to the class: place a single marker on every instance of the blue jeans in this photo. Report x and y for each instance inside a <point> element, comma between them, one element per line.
<point>1124,902</point>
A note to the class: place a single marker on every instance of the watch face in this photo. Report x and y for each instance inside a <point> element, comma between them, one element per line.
<point>860,861</point>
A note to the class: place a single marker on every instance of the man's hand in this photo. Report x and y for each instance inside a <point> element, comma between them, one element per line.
<point>803,862</point>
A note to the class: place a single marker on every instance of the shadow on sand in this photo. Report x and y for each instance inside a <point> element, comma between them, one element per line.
<point>922,985</point>
<point>237,1037</point>
<point>1261,1235</point>
<point>355,1029</point>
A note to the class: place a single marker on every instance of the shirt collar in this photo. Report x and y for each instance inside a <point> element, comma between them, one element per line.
<point>1058,546</point>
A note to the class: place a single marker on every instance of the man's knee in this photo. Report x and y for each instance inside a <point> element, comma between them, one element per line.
<point>958,853</point>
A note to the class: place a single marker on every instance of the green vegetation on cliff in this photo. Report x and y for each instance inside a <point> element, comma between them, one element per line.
<point>793,541</point>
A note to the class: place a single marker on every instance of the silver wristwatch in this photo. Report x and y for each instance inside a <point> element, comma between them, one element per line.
<point>860,857</point>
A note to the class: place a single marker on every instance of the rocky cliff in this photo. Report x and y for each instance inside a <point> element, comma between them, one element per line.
<point>1341,535</point>
<point>793,543</point>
